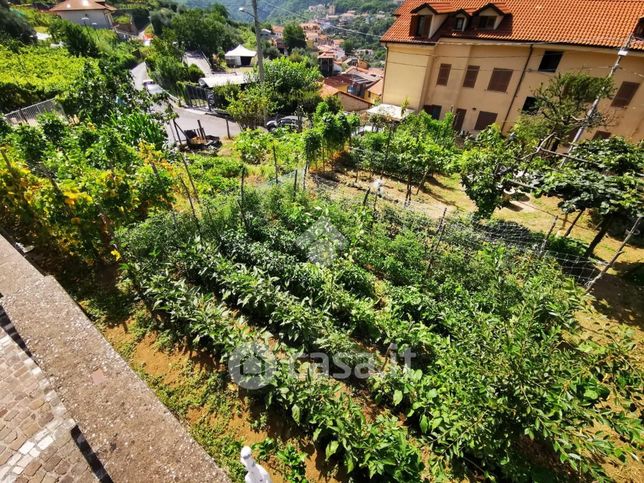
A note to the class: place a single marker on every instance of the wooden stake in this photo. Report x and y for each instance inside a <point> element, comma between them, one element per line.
<point>201,130</point>
<point>192,206</point>
<point>439,237</point>
<point>574,222</point>
<point>366,196</point>
<point>306,169</point>
<point>275,164</point>
<point>192,183</point>
<point>542,249</point>
<point>619,251</point>
<point>242,212</point>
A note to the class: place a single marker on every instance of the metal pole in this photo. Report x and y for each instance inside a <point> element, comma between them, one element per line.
<point>227,127</point>
<point>22,114</point>
<point>258,41</point>
<point>619,251</point>
<point>620,55</point>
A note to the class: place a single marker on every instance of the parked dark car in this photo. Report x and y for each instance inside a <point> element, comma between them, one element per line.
<point>291,122</point>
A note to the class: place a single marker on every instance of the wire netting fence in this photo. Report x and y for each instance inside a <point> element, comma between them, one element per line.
<point>29,114</point>
<point>467,232</point>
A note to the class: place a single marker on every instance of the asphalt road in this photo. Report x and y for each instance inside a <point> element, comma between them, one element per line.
<point>213,125</point>
<point>139,75</point>
<point>187,118</point>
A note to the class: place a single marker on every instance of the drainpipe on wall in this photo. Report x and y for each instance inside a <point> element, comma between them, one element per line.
<point>516,90</point>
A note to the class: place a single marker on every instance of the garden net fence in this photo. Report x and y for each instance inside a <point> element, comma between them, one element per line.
<point>29,114</point>
<point>445,227</point>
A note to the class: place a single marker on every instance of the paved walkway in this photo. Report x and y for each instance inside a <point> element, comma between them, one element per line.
<point>133,436</point>
<point>36,443</point>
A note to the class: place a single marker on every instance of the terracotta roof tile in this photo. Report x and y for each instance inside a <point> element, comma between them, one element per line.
<point>377,88</point>
<point>327,90</point>
<point>601,23</point>
<point>338,81</point>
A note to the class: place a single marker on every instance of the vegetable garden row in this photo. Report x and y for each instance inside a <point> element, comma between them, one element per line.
<point>501,385</point>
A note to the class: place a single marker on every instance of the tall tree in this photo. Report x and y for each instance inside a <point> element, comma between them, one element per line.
<point>250,106</point>
<point>561,106</point>
<point>14,26</point>
<point>488,164</point>
<point>292,84</point>
<point>78,40</point>
<point>208,31</point>
<point>294,36</point>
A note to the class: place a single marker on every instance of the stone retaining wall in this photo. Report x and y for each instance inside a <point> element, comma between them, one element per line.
<point>134,436</point>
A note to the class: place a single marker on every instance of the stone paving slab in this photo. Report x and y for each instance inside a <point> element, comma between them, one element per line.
<point>131,432</point>
<point>36,443</point>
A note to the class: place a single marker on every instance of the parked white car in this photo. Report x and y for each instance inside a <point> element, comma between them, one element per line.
<point>152,87</point>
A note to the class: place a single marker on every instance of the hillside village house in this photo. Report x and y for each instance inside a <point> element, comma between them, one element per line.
<point>482,60</point>
<point>91,13</point>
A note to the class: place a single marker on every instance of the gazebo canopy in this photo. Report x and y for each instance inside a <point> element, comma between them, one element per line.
<point>389,110</point>
<point>240,51</point>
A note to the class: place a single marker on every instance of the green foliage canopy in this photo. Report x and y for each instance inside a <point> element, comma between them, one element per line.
<point>32,74</point>
<point>292,84</point>
<point>14,26</point>
<point>294,36</point>
<point>205,30</point>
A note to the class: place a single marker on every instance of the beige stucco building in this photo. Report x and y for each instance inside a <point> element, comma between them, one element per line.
<point>483,60</point>
<point>89,13</point>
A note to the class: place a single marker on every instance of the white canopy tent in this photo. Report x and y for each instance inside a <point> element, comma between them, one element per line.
<point>389,110</point>
<point>217,80</point>
<point>239,56</point>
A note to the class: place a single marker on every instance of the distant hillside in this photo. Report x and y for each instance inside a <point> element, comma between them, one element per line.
<point>281,9</point>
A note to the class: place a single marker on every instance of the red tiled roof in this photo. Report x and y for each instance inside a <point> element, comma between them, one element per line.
<point>438,7</point>
<point>327,90</point>
<point>600,23</point>
<point>377,88</point>
<point>338,81</point>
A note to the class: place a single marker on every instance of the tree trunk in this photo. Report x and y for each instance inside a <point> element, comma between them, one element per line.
<point>574,222</point>
<point>603,229</point>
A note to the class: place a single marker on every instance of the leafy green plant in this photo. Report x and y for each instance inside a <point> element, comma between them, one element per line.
<point>294,461</point>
